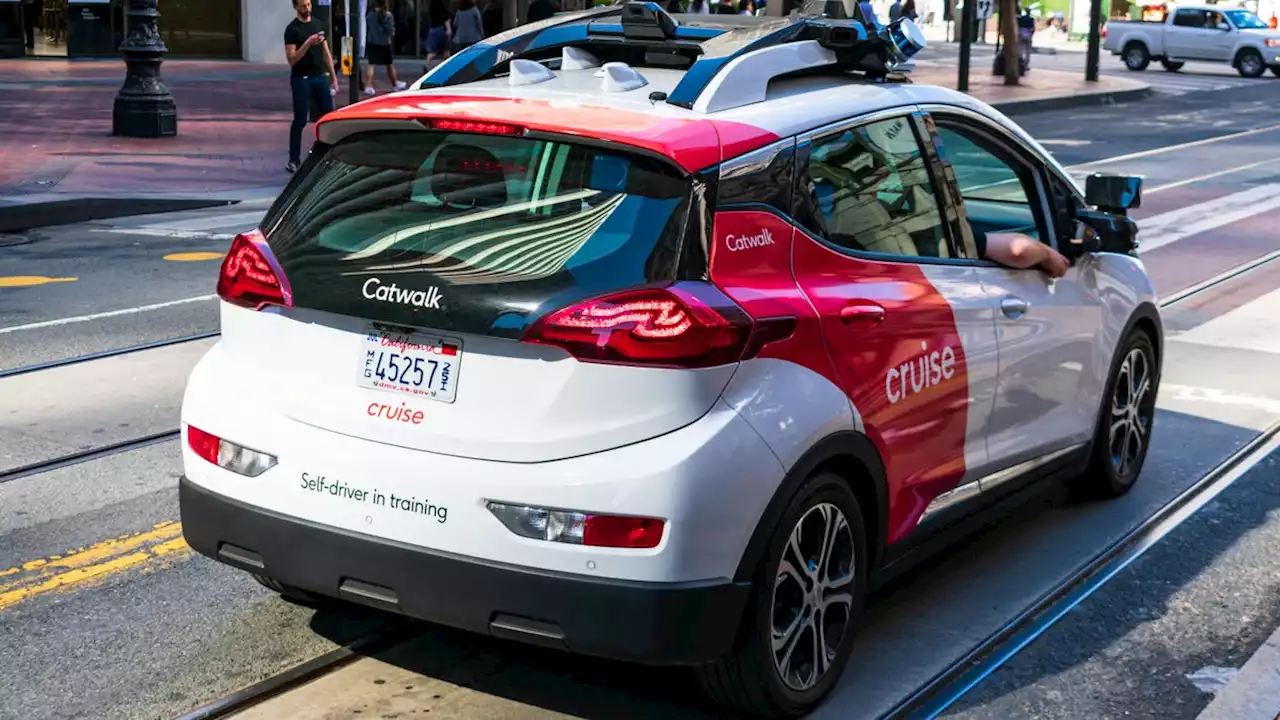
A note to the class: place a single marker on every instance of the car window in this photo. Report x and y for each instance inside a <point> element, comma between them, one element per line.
<point>869,190</point>
<point>1189,18</point>
<point>1246,20</point>
<point>996,188</point>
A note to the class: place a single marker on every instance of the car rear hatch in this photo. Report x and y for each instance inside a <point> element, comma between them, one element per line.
<point>476,291</point>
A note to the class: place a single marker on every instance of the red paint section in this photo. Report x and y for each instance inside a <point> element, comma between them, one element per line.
<point>894,342</point>
<point>693,144</point>
<point>739,138</point>
<point>751,263</point>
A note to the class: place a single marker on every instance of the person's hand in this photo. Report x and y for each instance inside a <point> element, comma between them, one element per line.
<point>333,85</point>
<point>1055,265</point>
<point>315,39</point>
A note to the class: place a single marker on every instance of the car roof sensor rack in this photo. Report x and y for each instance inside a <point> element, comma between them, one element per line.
<point>737,67</point>
<point>626,23</point>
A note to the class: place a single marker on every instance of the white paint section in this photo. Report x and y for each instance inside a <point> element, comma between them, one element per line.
<point>1252,326</point>
<point>248,219</point>
<point>1209,176</point>
<point>1213,396</point>
<point>1161,230</point>
<point>102,315</point>
<point>1175,148</point>
<point>176,234</point>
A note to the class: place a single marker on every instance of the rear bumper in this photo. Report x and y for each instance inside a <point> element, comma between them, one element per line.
<point>657,623</point>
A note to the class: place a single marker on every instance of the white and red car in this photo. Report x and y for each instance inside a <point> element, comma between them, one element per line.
<point>660,342</point>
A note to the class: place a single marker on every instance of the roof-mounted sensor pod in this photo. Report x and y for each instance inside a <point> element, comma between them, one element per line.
<point>621,77</point>
<point>528,72</point>
<point>573,58</point>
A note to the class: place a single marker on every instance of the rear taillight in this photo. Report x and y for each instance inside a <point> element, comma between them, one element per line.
<point>685,325</point>
<point>228,455</point>
<point>248,278</point>
<point>579,528</point>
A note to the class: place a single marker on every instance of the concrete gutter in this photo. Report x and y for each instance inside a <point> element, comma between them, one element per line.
<point>1254,694</point>
<point>1059,102</point>
<point>19,213</point>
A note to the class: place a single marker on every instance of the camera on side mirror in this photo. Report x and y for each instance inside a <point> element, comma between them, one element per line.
<point>1106,225</point>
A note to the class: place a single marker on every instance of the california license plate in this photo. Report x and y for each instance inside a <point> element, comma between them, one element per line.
<point>410,362</point>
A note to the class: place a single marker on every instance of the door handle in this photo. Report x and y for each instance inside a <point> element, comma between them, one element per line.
<point>861,313</point>
<point>1014,307</point>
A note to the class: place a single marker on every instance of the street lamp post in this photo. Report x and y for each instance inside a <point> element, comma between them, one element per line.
<point>144,107</point>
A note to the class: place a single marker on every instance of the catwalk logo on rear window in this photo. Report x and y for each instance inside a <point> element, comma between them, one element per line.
<point>374,290</point>
<point>746,242</point>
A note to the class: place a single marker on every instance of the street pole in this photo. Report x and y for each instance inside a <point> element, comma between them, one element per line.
<point>1095,33</point>
<point>143,107</point>
<point>966,37</point>
<point>353,85</point>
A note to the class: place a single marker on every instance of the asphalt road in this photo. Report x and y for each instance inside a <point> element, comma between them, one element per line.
<point>103,612</point>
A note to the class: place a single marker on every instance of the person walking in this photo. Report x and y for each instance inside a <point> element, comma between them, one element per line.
<point>382,32</point>
<point>439,32</point>
<point>311,74</point>
<point>468,25</point>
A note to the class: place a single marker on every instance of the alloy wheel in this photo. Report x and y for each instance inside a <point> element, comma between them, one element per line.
<point>812,596</point>
<point>1252,65</point>
<point>1130,416</point>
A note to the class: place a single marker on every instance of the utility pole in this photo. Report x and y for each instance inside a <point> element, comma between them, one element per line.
<point>967,19</point>
<point>144,106</point>
<point>1095,33</point>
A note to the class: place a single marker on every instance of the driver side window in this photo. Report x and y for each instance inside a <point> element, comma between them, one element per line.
<point>998,190</point>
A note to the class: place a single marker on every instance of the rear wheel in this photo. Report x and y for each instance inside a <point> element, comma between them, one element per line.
<point>1136,56</point>
<point>1124,425</point>
<point>805,610</point>
<point>1250,64</point>
<point>1172,65</point>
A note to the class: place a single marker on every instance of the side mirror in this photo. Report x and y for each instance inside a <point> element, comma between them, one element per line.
<point>1100,231</point>
<point>1113,193</point>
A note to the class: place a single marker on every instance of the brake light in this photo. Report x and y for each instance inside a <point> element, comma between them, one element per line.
<point>204,444</point>
<point>248,278</point>
<point>228,455</point>
<point>687,325</point>
<point>472,126</point>
<point>579,528</point>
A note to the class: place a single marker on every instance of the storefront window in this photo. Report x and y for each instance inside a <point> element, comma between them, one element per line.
<point>201,28</point>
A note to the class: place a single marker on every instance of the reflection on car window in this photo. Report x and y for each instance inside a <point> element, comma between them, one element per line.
<point>996,197</point>
<point>1246,20</point>
<point>1189,18</point>
<point>873,193</point>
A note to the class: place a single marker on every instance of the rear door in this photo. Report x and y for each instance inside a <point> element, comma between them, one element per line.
<point>907,321</point>
<point>1051,359</point>
<point>416,260</point>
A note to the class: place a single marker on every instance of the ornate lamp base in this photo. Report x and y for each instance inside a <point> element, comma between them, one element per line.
<point>144,107</point>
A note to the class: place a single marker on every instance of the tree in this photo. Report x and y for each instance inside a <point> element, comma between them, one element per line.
<point>1009,29</point>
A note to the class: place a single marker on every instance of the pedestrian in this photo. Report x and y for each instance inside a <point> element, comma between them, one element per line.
<point>895,11</point>
<point>468,25</point>
<point>439,32</point>
<point>909,10</point>
<point>311,75</point>
<point>540,10</point>
<point>746,7</point>
<point>382,32</point>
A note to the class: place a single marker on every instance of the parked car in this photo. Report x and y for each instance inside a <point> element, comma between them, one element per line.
<point>1205,33</point>
<point>662,342</point>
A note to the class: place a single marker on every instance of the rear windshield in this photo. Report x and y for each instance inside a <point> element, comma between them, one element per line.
<point>503,228</point>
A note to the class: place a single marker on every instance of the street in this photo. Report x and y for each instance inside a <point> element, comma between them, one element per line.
<point>104,612</point>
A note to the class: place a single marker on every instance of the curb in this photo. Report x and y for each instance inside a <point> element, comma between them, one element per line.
<point>1060,102</point>
<point>15,218</point>
<point>1254,694</point>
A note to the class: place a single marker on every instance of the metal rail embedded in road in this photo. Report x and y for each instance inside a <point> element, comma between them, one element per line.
<point>86,455</point>
<point>953,683</point>
<point>52,364</point>
<point>301,673</point>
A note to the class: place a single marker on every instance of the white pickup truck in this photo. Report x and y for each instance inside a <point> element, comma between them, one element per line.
<point>1198,32</point>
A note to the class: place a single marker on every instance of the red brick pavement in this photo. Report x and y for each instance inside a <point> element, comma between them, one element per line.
<point>233,125</point>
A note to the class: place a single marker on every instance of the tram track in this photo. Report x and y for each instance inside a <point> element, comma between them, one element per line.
<point>102,355</point>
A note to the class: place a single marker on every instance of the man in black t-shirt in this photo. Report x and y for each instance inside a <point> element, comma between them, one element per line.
<point>312,74</point>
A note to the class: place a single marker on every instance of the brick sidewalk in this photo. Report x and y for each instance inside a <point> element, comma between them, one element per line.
<point>233,125</point>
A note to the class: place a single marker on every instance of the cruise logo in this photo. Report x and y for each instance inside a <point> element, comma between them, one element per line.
<point>374,290</point>
<point>920,373</point>
<point>746,242</point>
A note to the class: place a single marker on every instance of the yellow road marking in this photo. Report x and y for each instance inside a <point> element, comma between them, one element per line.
<point>87,565</point>
<point>31,280</point>
<point>193,256</point>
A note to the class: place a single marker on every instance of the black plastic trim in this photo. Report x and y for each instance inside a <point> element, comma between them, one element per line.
<point>654,623</point>
<point>846,444</point>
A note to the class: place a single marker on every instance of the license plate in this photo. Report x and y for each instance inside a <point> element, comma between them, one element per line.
<point>409,362</point>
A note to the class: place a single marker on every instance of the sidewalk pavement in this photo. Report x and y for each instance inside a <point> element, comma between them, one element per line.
<point>233,127</point>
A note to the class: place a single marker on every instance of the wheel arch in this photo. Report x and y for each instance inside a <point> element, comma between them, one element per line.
<point>1147,317</point>
<point>852,456</point>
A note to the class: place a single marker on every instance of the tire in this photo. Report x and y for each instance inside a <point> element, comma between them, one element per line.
<point>1172,65</point>
<point>749,679</point>
<point>1111,474</point>
<point>1250,64</point>
<point>1136,56</point>
<point>289,592</point>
